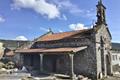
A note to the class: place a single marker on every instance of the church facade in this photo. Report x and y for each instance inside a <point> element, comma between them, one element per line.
<point>83,52</point>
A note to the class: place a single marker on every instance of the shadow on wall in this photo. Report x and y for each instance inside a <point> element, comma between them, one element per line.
<point>116,68</point>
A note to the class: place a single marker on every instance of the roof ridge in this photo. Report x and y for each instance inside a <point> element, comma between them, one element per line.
<point>42,36</point>
<point>72,31</point>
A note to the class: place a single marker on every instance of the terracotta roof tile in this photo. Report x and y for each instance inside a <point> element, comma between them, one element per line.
<point>52,51</point>
<point>58,36</point>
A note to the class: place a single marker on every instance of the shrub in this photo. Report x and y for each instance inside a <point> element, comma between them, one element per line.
<point>2,65</point>
<point>9,65</point>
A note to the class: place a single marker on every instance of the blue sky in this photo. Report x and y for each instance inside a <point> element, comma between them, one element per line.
<point>32,18</point>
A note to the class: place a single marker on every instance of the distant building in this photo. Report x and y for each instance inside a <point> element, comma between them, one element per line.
<point>115,53</point>
<point>83,52</point>
<point>115,57</point>
<point>9,46</point>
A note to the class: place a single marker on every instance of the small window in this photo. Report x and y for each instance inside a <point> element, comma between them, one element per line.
<point>116,57</point>
<point>113,56</point>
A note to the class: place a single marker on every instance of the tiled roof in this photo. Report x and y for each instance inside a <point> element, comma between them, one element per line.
<point>58,36</point>
<point>51,51</point>
<point>10,53</point>
<point>48,33</point>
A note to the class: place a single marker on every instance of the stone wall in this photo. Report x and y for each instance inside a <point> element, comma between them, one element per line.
<point>31,61</point>
<point>70,42</point>
<point>103,46</point>
<point>56,63</point>
<point>84,63</point>
<point>1,50</point>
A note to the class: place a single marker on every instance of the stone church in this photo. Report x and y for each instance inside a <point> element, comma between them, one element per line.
<point>83,52</point>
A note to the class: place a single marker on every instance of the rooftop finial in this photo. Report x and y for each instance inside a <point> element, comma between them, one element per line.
<point>100,1</point>
<point>49,29</point>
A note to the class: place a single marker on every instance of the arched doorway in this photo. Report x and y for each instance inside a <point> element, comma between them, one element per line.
<point>108,64</point>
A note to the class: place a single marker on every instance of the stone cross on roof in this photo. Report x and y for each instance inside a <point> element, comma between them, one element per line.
<point>100,1</point>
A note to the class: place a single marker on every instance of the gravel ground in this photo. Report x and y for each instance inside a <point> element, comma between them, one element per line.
<point>13,76</point>
<point>112,78</point>
<point>19,76</point>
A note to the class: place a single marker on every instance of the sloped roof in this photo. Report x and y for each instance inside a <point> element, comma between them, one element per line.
<point>48,33</point>
<point>51,50</point>
<point>97,28</point>
<point>58,36</point>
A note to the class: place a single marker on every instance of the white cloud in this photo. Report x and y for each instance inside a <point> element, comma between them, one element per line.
<point>64,17</point>
<point>40,6</point>
<point>2,19</point>
<point>90,13</point>
<point>77,26</point>
<point>53,8</point>
<point>67,5</point>
<point>60,30</point>
<point>44,29</point>
<point>22,38</point>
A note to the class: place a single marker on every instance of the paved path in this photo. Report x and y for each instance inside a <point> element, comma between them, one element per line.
<point>13,76</point>
<point>113,78</point>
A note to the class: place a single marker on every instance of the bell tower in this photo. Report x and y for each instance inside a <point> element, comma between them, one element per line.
<point>101,18</point>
